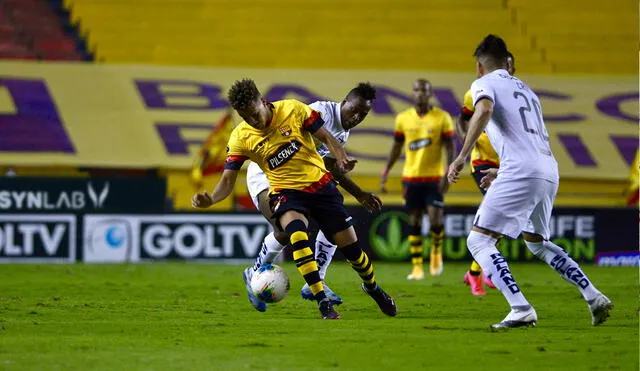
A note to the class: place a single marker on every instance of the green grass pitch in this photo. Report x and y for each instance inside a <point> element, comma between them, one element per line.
<point>179,316</point>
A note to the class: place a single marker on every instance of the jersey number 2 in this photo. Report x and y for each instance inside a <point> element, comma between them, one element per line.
<point>526,109</point>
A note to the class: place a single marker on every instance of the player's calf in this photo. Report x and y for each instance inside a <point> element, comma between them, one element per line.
<point>303,257</point>
<point>565,266</point>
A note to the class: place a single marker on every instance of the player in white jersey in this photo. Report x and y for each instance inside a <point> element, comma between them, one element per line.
<point>521,197</point>
<point>339,118</point>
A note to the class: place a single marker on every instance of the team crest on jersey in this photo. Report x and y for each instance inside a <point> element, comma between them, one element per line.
<point>285,130</point>
<point>418,144</point>
<point>283,154</point>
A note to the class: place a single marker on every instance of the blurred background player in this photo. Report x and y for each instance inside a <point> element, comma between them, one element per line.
<point>278,137</point>
<point>425,131</point>
<point>339,118</point>
<point>521,198</point>
<point>483,159</point>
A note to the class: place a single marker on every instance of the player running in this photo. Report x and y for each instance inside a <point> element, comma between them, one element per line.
<point>524,189</point>
<point>339,119</point>
<point>423,130</point>
<point>484,160</point>
<point>278,137</point>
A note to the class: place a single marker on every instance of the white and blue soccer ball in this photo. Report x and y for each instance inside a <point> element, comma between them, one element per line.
<point>270,283</point>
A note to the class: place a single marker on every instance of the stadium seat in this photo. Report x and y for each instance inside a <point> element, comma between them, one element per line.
<point>31,29</point>
<point>405,34</point>
<point>223,32</point>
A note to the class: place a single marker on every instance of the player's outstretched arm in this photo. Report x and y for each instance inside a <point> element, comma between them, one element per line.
<point>369,200</point>
<point>479,121</point>
<point>343,162</point>
<point>221,191</point>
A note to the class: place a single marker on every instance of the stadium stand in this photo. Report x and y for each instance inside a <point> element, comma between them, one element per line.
<point>33,29</point>
<point>546,36</point>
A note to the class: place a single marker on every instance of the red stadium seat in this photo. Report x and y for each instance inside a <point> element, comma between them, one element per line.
<point>61,56</point>
<point>62,45</point>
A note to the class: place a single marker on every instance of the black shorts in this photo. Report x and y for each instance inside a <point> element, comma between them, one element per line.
<point>477,175</point>
<point>421,195</point>
<point>325,206</point>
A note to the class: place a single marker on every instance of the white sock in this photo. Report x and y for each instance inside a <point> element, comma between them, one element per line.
<point>324,253</point>
<point>495,266</point>
<point>567,268</point>
<point>269,251</point>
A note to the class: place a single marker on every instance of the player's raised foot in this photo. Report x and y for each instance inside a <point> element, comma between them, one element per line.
<point>435,262</point>
<point>487,281</point>
<point>417,273</point>
<point>260,305</point>
<point>326,309</point>
<point>475,282</point>
<point>600,308</point>
<point>518,318</point>
<point>306,294</point>
<point>385,302</point>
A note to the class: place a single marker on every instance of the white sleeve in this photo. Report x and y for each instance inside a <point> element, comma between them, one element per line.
<point>325,112</point>
<point>481,89</point>
<point>321,108</point>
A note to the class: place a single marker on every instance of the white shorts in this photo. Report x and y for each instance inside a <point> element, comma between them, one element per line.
<point>515,205</point>
<point>256,182</point>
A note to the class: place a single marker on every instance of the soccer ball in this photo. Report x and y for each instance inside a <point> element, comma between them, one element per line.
<point>270,283</point>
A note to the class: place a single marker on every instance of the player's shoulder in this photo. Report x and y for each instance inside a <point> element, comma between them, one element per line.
<point>289,105</point>
<point>240,133</point>
<point>406,113</point>
<point>438,112</point>
<point>323,105</point>
<point>242,129</point>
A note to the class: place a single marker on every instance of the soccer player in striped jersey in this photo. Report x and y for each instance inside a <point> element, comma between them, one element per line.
<point>279,137</point>
<point>484,160</point>
<point>339,118</point>
<point>425,132</point>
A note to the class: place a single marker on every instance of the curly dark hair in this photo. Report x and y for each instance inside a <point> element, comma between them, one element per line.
<point>243,93</point>
<point>493,50</point>
<point>364,90</point>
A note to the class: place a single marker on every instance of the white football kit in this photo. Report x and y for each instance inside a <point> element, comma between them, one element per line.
<point>257,181</point>
<point>522,196</point>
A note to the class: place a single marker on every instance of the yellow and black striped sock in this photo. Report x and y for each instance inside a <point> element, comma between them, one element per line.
<point>304,258</point>
<point>437,237</point>
<point>361,264</point>
<point>475,269</point>
<point>416,249</point>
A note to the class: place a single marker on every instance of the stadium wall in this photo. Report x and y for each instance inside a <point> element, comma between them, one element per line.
<point>77,115</point>
<point>116,220</point>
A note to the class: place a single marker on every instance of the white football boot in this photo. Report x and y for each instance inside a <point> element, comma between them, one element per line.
<point>518,318</point>
<point>600,308</point>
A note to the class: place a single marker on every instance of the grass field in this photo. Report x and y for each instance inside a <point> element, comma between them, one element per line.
<point>177,316</point>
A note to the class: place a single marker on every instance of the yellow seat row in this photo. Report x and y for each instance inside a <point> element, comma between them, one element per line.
<point>404,34</point>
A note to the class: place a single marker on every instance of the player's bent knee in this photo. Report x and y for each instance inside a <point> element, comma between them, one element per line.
<point>536,248</point>
<point>476,241</point>
<point>346,237</point>
<point>294,226</point>
<point>281,237</point>
<point>532,237</point>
